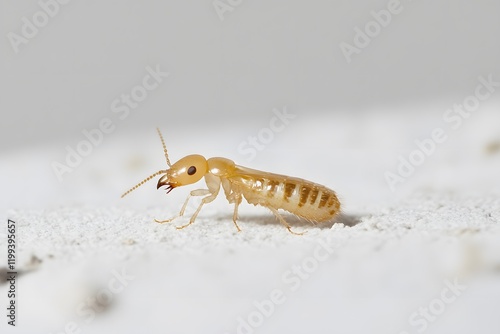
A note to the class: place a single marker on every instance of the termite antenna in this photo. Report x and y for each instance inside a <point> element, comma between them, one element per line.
<point>143,181</point>
<point>164,147</point>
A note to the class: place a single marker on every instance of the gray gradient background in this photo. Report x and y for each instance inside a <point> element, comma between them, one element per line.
<point>224,73</point>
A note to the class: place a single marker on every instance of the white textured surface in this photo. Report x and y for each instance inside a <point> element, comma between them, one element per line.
<point>201,279</point>
<point>442,225</point>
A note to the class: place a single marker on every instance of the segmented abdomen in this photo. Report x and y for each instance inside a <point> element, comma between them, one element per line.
<point>303,198</point>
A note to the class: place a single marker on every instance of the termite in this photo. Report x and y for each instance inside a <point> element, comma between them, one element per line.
<point>305,199</point>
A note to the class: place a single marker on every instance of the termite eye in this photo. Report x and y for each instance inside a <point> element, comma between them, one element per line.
<point>191,170</point>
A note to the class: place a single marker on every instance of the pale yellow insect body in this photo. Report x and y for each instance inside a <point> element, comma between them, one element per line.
<point>303,198</point>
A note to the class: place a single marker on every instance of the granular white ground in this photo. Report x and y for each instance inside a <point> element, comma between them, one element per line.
<point>424,258</point>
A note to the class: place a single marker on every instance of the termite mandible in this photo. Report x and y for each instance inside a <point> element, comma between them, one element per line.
<point>302,198</point>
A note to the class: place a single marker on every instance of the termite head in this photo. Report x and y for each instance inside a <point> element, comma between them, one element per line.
<point>188,170</point>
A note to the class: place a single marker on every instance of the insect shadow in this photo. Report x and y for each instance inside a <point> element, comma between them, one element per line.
<point>348,220</point>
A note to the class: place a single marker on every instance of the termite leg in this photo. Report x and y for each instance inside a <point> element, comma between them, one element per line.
<point>283,221</point>
<point>204,201</point>
<point>198,192</point>
<point>235,214</point>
